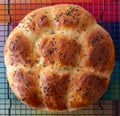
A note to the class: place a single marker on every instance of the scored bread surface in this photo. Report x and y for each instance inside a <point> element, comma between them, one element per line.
<point>58,58</point>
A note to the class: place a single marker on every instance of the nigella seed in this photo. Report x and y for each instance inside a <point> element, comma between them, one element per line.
<point>79,89</point>
<point>61,54</point>
<point>48,88</point>
<point>50,52</point>
<point>44,65</point>
<point>66,68</point>
<point>17,36</point>
<point>45,87</point>
<point>51,42</point>
<point>73,17</point>
<point>37,61</point>
<point>21,76</point>
<point>38,76</point>
<point>53,62</point>
<point>23,99</point>
<point>49,58</point>
<point>34,94</point>
<point>52,33</point>
<point>46,95</point>
<point>67,13</point>
<point>73,55</point>
<point>64,56</point>
<point>69,43</point>
<point>29,72</point>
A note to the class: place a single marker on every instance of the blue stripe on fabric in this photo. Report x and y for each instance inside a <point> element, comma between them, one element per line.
<point>114,30</point>
<point>116,71</point>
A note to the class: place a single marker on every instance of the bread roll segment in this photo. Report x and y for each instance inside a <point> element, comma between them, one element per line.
<point>58,58</point>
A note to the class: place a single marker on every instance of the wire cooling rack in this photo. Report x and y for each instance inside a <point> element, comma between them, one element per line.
<point>107,14</point>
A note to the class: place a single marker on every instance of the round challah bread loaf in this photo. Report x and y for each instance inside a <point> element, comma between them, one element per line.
<point>58,58</point>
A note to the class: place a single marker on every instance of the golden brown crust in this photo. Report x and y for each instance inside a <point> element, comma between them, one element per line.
<point>21,50</point>
<point>54,89</point>
<point>67,16</point>
<point>26,88</point>
<point>87,87</point>
<point>71,16</point>
<point>58,58</point>
<point>99,56</point>
<point>59,49</point>
<point>39,22</point>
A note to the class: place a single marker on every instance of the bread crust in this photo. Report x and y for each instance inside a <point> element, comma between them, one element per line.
<point>58,58</point>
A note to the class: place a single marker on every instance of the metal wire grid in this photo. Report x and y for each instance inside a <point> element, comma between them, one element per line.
<point>9,105</point>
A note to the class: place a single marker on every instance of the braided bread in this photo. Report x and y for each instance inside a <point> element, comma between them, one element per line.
<point>58,58</point>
